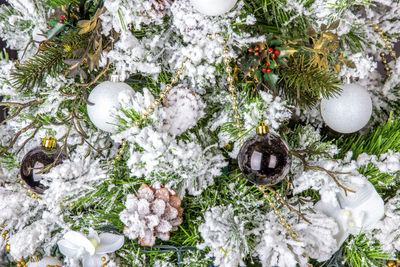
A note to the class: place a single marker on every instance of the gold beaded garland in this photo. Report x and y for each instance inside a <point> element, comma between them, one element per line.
<point>150,109</point>
<point>388,46</point>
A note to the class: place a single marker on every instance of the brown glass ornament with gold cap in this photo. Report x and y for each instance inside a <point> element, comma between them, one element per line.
<point>36,161</point>
<point>264,158</point>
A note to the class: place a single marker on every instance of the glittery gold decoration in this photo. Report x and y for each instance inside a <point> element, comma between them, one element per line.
<point>49,143</point>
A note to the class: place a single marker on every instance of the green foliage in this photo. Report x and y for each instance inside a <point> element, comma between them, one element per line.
<point>362,252</point>
<point>30,73</point>
<point>304,85</point>
<point>273,16</point>
<point>377,141</point>
<point>59,3</point>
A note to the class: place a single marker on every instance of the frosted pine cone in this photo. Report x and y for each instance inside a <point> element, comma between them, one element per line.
<point>182,109</point>
<point>153,213</point>
<point>158,8</point>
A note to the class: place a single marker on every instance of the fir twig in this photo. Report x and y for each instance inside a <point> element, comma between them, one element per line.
<point>303,85</point>
<point>48,61</point>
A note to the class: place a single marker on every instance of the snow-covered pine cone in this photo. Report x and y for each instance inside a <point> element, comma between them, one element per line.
<point>153,213</point>
<point>157,8</point>
<point>182,109</point>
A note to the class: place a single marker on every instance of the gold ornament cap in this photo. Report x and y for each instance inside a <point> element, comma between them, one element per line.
<point>262,129</point>
<point>49,143</point>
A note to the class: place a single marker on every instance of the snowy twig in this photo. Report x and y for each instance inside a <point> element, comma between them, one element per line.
<point>16,136</point>
<point>316,168</point>
<point>20,107</point>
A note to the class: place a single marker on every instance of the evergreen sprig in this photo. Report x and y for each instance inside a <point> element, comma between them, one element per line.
<point>377,141</point>
<point>362,252</point>
<point>30,73</point>
<point>303,85</point>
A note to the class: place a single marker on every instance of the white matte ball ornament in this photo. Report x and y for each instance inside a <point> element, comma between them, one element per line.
<point>350,111</point>
<point>106,98</point>
<point>213,7</point>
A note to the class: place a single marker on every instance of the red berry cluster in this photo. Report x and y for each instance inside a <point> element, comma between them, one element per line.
<point>256,51</point>
<point>61,21</point>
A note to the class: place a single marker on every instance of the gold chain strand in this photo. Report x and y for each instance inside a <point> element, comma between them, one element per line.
<point>232,88</point>
<point>121,151</point>
<point>388,46</point>
<point>150,109</point>
<point>282,219</point>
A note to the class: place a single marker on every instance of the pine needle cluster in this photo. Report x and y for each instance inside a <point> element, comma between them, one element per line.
<point>30,73</point>
<point>303,85</point>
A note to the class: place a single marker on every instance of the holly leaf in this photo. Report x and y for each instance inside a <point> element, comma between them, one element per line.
<point>258,75</point>
<point>271,79</point>
<point>275,42</point>
<point>272,65</point>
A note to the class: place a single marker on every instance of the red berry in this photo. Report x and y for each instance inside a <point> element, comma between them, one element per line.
<point>257,48</point>
<point>270,49</point>
<point>257,53</point>
<point>61,21</point>
<point>63,17</point>
<point>267,64</point>
<point>269,70</point>
<point>265,69</point>
<point>276,52</point>
<point>273,56</point>
<point>251,50</point>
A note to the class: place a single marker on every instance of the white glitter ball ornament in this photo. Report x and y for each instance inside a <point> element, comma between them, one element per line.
<point>107,97</point>
<point>350,111</point>
<point>213,7</point>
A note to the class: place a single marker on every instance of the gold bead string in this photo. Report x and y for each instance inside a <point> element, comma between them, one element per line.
<point>232,87</point>
<point>5,236</point>
<point>121,151</point>
<point>388,46</point>
<point>289,228</point>
<point>150,109</point>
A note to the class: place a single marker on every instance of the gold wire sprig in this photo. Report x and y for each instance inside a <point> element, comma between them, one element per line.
<point>232,87</point>
<point>388,46</point>
<point>150,109</point>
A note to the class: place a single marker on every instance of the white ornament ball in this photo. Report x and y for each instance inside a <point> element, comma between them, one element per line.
<point>213,7</point>
<point>106,98</point>
<point>350,111</point>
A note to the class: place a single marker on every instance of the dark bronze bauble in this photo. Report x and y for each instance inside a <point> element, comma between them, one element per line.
<point>33,164</point>
<point>265,159</point>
